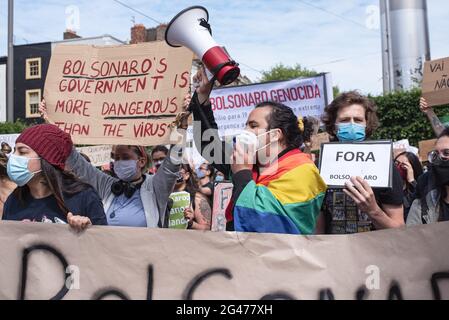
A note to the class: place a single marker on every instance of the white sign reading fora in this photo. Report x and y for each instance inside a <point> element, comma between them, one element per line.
<point>370,160</point>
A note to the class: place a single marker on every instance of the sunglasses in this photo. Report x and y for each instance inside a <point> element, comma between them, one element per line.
<point>436,157</point>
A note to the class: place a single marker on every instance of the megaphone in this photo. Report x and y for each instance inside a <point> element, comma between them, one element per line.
<point>190,28</point>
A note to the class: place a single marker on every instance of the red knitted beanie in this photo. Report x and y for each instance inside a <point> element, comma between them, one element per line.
<point>49,142</point>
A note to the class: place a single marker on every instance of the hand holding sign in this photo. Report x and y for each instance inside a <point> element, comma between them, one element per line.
<point>362,194</point>
<point>435,84</point>
<point>79,223</point>
<point>424,106</point>
<point>43,111</point>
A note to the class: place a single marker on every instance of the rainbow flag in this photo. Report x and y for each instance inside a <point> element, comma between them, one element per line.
<point>286,198</point>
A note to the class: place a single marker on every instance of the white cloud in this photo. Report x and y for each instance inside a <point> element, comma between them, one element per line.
<point>257,33</point>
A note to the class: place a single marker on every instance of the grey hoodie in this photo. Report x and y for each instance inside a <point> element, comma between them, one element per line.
<point>154,191</point>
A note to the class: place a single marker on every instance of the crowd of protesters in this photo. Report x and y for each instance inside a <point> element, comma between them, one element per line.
<point>277,188</point>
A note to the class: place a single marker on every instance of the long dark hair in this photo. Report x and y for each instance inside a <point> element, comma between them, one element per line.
<point>283,118</point>
<point>192,186</point>
<point>415,163</point>
<point>61,183</point>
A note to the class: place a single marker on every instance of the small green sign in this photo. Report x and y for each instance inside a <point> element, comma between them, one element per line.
<point>181,201</point>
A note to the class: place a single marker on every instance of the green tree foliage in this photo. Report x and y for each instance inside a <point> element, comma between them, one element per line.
<point>281,72</point>
<point>12,127</point>
<point>400,117</point>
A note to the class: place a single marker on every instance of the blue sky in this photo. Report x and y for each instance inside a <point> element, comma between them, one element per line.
<point>341,37</point>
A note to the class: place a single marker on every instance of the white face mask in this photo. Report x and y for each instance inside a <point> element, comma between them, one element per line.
<point>249,138</point>
<point>125,170</point>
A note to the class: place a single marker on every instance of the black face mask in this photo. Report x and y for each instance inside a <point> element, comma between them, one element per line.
<point>441,174</point>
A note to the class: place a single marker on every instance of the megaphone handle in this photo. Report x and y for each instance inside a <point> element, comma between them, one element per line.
<point>221,65</point>
<point>206,25</point>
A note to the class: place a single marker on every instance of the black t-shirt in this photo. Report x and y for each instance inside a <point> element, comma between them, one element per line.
<point>85,203</point>
<point>342,215</point>
<point>209,185</point>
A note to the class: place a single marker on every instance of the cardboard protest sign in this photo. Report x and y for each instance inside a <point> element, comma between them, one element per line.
<point>98,155</point>
<point>306,96</point>
<point>370,160</point>
<point>222,197</point>
<point>181,201</point>
<point>425,147</point>
<point>43,261</point>
<point>435,85</point>
<point>117,95</point>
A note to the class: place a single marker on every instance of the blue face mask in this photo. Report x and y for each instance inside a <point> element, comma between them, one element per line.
<point>219,178</point>
<point>125,170</point>
<point>18,171</point>
<point>199,173</point>
<point>349,132</point>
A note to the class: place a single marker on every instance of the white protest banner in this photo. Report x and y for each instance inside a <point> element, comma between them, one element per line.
<point>98,155</point>
<point>403,146</point>
<point>307,97</point>
<point>42,261</point>
<point>9,139</point>
<point>117,94</point>
<point>222,197</point>
<point>435,84</point>
<point>370,160</point>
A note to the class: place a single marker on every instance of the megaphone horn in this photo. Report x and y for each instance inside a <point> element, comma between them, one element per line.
<point>190,28</point>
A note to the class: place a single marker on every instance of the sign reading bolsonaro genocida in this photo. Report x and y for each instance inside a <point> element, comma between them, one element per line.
<point>306,96</point>
<point>117,94</point>
<point>370,160</point>
<point>44,261</point>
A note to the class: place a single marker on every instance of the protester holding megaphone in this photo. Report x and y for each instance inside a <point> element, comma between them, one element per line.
<point>133,198</point>
<point>277,188</point>
<point>352,117</point>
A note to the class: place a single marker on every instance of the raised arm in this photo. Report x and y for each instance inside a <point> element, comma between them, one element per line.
<point>101,181</point>
<point>436,124</point>
<point>205,128</point>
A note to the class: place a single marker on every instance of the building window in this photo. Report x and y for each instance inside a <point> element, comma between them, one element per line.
<point>32,99</point>
<point>33,68</point>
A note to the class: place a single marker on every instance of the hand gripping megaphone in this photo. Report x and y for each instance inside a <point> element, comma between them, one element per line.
<point>190,28</point>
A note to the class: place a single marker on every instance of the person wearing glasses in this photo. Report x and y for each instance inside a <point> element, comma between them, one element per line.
<point>432,202</point>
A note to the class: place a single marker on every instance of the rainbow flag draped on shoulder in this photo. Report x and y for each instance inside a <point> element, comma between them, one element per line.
<point>286,198</point>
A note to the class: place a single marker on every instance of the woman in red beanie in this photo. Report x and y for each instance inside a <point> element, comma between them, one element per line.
<point>46,192</point>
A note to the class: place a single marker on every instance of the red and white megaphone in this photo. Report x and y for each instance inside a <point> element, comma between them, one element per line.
<point>190,28</point>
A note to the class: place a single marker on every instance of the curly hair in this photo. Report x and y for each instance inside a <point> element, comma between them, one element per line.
<point>308,129</point>
<point>347,99</point>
